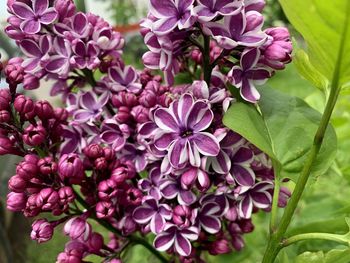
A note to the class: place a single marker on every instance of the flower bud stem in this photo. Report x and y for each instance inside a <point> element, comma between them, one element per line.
<point>325,236</point>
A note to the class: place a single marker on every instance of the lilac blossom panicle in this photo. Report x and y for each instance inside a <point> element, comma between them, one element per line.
<point>132,150</point>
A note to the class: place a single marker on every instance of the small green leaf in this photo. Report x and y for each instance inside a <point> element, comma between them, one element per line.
<point>284,129</point>
<point>338,256</point>
<point>308,71</point>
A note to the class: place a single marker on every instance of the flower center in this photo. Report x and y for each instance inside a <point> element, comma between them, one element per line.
<point>186,133</point>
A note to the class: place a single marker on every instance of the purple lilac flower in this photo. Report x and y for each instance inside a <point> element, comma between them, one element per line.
<point>107,39</point>
<point>247,74</point>
<point>42,231</point>
<point>182,133</point>
<point>153,214</point>
<point>176,238</point>
<point>137,153</point>
<point>91,107</point>
<point>78,28</point>
<point>85,55</point>
<point>37,53</point>
<point>171,14</point>
<point>258,196</point>
<point>124,79</point>
<point>195,176</point>
<point>151,184</point>
<point>114,134</point>
<point>209,217</point>
<point>237,31</point>
<point>171,188</point>
<point>60,63</point>
<point>34,17</point>
<point>207,10</point>
<point>241,171</point>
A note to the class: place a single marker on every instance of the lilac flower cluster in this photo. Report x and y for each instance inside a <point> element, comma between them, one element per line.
<point>139,157</point>
<point>249,54</point>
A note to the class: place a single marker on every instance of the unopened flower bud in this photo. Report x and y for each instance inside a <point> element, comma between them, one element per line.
<point>109,153</point>
<point>5,99</point>
<point>182,216</point>
<point>6,146</point>
<point>93,151</point>
<point>71,167</point>
<point>107,190</point>
<point>31,82</point>
<point>101,163</point>
<point>140,113</point>
<point>123,115</point>
<point>16,202</point>
<point>104,209</point>
<point>47,199</point>
<point>61,114</point>
<point>5,116</point>
<point>14,71</point>
<point>77,228</point>
<point>219,247</point>
<point>148,98</point>
<point>95,243</point>
<point>47,166</point>
<point>23,104</point>
<point>17,184</point>
<point>123,98</point>
<point>42,231</point>
<point>66,195</point>
<point>34,135</point>
<point>44,110</point>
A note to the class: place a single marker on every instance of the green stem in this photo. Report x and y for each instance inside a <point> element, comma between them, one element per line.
<point>207,68</point>
<point>274,209</point>
<point>132,238</point>
<point>80,4</point>
<point>275,242</point>
<point>325,236</point>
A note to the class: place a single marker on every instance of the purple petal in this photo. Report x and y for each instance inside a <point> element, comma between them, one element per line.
<point>236,24</point>
<point>157,223</point>
<point>165,120</point>
<point>79,22</point>
<point>200,116</point>
<point>206,144</point>
<point>210,224</point>
<point>258,74</point>
<point>243,175</point>
<point>164,8</point>
<point>30,27</point>
<point>186,197</point>
<point>245,207</point>
<point>243,155</point>
<point>182,245</point>
<point>48,16</point>
<point>163,142</point>
<point>88,100</point>
<point>164,241</point>
<point>221,163</point>
<point>39,6</point>
<point>250,58</point>
<point>22,10</point>
<point>249,92</point>
<point>165,25</point>
<point>178,153</point>
<point>143,215</point>
<point>170,190</point>
<point>181,109</point>
<point>253,39</point>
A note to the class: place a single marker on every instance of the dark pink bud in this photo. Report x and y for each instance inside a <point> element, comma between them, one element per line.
<point>148,98</point>
<point>196,56</point>
<point>237,242</point>
<point>28,168</point>
<point>17,184</point>
<point>16,202</point>
<point>47,199</point>
<point>95,243</point>
<point>93,151</point>
<point>32,209</point>
<point>107,190</point>
<point>123,172</point>
<point>5,99</point>
<point>109,153</point>
<point>73,252</point>
<point>164,100</point>
<point>23,104</point>
<point>123,98</point>
<point>5,116</point>
<point>71,167</point>
<point>61,114</point>
<point>182,216</point>
<point>140,113</point>
<point>34,135</point>
<point>44,110</point>
<point>123,115</point>
<point>6,146</point>
<point>66,195</point>
<point>234,229</point>
<point>14,71</point>
<point>31,82</point>
<point>42,231</point>
<point>220,246</point>
<point>253,21</point>
<point>133,196</point>
<point>47,166</point>
<point>101,163</point>
<point>104,209</point>
<point>64,8</point>
<point>246,225</point>
<point>78,228</point>
<point>14,21</point>
<point>195,176</point>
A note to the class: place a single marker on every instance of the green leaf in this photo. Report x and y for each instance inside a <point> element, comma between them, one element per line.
<point>310,257</point>
<point>325,26</point>
<point>333,256</point>
<point>308,71</point>
<point>284,129</point>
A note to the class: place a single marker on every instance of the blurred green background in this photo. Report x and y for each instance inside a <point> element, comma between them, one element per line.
<point>323,207</point>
